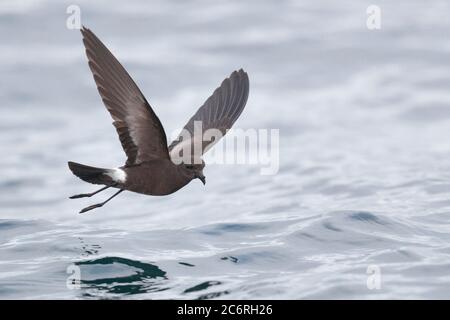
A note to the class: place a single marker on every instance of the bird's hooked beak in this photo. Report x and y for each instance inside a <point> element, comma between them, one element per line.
<point>202,178</point>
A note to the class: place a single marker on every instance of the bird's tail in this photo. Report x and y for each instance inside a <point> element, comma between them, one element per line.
<point>91,174</point>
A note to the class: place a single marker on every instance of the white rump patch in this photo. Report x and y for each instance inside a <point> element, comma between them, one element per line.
<point>118,175</point>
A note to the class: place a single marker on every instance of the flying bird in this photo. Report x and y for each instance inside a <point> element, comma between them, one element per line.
<point>150,167</point>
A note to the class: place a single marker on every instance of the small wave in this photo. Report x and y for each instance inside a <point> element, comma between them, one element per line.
<point>123,276</point>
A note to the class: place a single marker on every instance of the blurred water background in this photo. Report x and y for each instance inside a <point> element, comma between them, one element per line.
<point>364,179</point>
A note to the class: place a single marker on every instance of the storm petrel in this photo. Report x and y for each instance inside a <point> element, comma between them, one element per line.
<point>153,167</point>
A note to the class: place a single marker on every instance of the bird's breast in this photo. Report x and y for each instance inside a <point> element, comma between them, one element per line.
<point>158,179</point>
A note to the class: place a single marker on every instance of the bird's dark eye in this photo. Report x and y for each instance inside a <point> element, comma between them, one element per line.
<point>189,167</point>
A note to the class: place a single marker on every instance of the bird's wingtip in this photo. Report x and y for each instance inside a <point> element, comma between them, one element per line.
<point>71,166</point>
<point>242,72</point>
<point>84,30</point>
<point>239,73</point>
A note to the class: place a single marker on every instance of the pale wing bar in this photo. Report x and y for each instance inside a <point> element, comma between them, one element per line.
<point>133,117</point>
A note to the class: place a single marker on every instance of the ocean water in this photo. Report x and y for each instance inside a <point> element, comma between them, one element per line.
<point>360,207</point>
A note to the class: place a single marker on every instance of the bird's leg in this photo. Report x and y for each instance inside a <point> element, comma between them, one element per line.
<point>98,205</point>
<point>85,195</point>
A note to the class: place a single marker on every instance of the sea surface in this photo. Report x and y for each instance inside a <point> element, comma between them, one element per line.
<point>360,206</point>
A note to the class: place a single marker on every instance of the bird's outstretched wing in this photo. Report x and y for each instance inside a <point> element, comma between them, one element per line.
<point>140,131</point>
<point>219,112</point>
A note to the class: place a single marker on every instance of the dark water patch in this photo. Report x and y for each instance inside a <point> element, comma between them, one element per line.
<point>309,236</point>
<point>219,229</point>
<point>212,295</point>
<point>262,257</point>
<point>123,276</point>
<point>16,183</point>
<point>330,226</point>
<point>366,217</point>
<point>90,249</point>
<point>202,286</point>
<point>231,258</point>
<point>8,290</point>
<point>186,264</point>
<point>7,224</point>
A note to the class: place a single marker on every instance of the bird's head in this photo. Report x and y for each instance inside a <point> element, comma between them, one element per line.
<point>195,171</point>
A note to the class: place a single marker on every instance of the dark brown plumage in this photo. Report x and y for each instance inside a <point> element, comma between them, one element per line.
<point>150,167</point>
